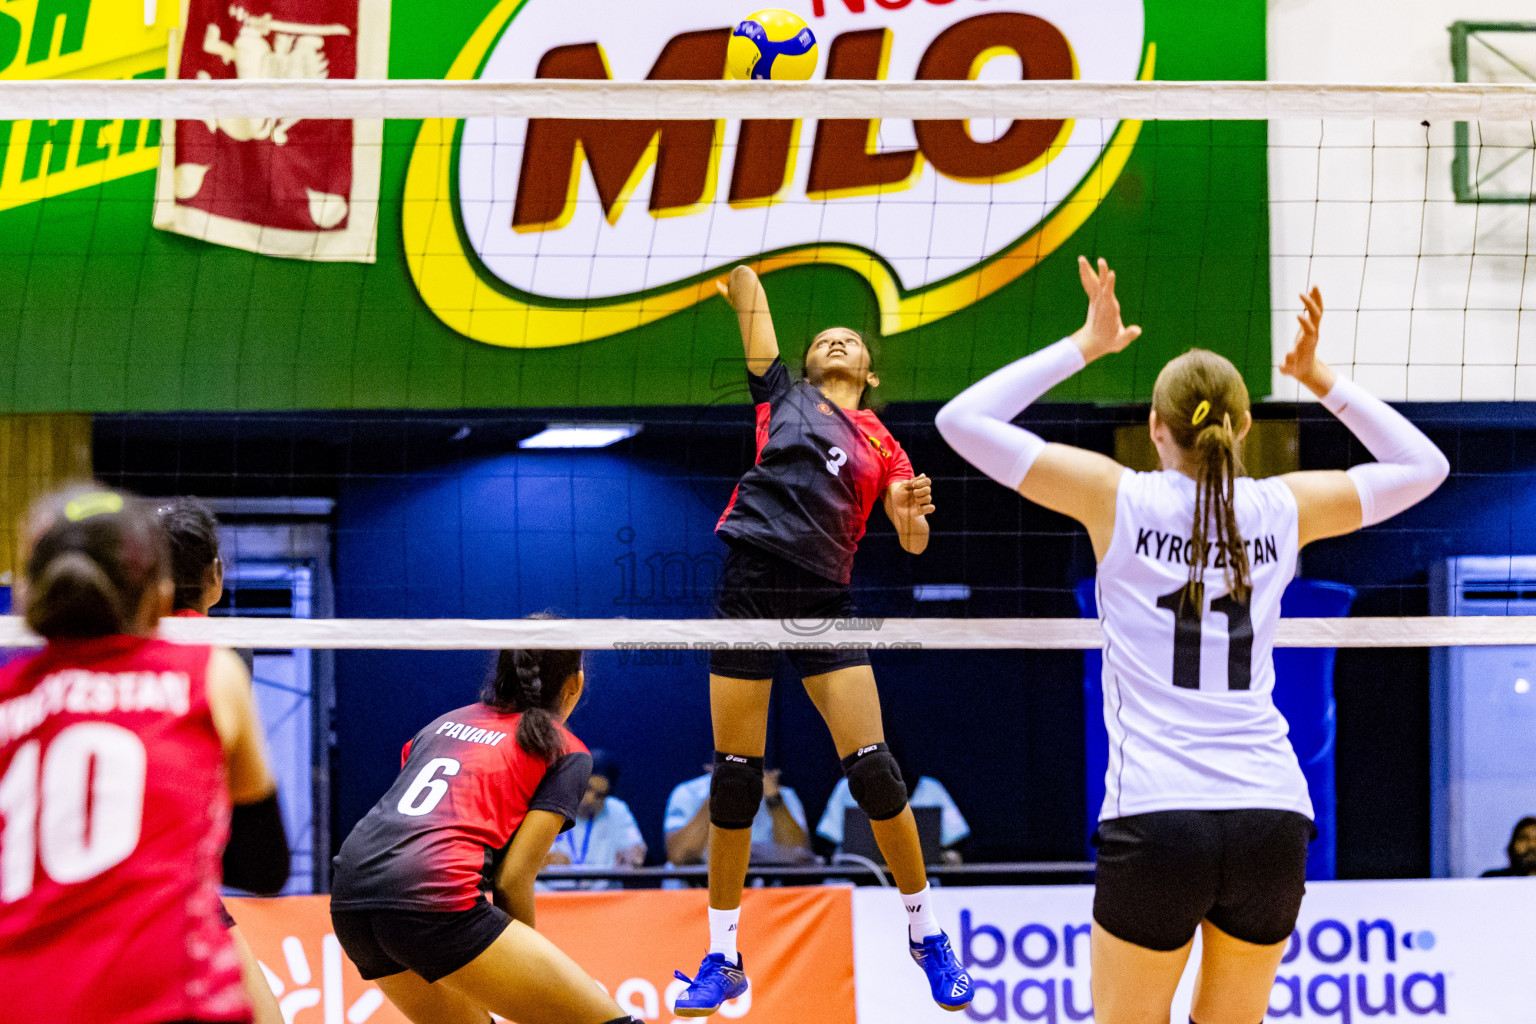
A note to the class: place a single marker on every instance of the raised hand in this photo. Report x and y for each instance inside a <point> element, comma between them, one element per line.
<point>1103,332</point>
<point>739,288</point>
<point>1301,361</point>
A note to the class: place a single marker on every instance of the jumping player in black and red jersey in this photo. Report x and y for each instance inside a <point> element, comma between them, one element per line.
<point>197,572</point>
<point>824,461</point>
<point>433,890</point>
<point>120,758</point>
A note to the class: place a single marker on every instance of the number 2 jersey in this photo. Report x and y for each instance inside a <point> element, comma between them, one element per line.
<point>435,841</point>
<point>116,814</point>
<point>1189,700</point>
<point>820,469</point>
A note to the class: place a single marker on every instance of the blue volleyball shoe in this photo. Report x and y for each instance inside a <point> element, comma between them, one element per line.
<point>947,980</point>
<point>720,980</point>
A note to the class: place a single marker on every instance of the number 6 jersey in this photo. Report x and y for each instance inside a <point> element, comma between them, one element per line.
<point>436,839</point>
<point>115,817</point>
<point>1188,693</point>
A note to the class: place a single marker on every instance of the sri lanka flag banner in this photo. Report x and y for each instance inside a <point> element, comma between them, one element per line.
<point>282,186</point>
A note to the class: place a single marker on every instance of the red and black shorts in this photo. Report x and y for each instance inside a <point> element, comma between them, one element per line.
<point>434,944</point>
<point>758,584</point>
<point>1160,874</point>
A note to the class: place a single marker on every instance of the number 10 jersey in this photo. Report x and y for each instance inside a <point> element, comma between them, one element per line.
<point>115,812</point>
<point>1189,692</point>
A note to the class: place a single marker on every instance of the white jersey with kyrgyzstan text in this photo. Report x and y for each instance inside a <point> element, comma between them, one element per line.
<point>1189,702</point>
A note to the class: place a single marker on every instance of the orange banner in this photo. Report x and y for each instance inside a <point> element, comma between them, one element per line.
<point>797,943</point>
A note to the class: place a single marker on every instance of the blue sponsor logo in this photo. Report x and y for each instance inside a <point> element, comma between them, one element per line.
<point>1343,971</point>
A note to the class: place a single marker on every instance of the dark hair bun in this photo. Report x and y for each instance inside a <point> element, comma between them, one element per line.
<point>94,555</point>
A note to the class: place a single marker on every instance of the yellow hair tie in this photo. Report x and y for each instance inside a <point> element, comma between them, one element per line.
<point>1201,412</point>
<point>97,503</point>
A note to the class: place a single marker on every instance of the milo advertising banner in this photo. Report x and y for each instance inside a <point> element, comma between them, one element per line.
<point>284,264</point>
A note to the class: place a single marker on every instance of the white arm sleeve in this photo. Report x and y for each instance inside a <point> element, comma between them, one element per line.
<point>1408,466</point>
<point>976,421</point>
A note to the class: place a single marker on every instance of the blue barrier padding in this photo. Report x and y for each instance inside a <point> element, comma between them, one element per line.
<point>1303,693</point>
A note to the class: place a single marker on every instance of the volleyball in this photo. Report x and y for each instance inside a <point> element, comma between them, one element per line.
<point>774,44</point>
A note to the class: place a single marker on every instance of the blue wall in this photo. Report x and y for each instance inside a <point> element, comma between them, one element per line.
<point>503,537</point>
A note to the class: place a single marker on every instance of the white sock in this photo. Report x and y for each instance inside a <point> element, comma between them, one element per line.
<point>921,921</point>
<point>722,932</point>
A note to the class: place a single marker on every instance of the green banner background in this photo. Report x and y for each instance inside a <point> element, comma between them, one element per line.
<point>99,312</point>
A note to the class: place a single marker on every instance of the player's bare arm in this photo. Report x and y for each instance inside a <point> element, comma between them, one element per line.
<point>744,291</point>
<point>527,854</point>
<point>239,728</point>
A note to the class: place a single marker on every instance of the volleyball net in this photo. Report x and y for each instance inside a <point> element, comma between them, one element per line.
<point>353,313</point>
<point>302,261</point>
<point>530,225</point>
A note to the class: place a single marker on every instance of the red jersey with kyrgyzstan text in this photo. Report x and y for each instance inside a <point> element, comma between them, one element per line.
<point>116,813</point>
<point>437,838</point>
<point>819,471</point>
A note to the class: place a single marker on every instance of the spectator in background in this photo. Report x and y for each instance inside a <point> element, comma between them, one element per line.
<point>1522,852</point>
<point>605,834</point>
<point>779,831</point>
<point>929,792</point>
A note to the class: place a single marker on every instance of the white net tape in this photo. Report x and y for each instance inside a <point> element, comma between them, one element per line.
<point>702,634</point>
<point>947,100</point>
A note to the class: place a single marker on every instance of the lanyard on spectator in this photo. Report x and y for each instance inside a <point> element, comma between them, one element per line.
<point>586,842</point>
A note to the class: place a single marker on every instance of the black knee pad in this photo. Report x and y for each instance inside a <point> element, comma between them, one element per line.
<point>874,779</point>
<point>735,790</point>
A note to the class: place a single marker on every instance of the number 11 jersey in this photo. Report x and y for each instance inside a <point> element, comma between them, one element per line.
<point>436,840</point>
<point>1189,692</point>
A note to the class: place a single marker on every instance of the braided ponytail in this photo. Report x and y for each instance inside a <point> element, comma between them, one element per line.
<point>1197,397</point>
<point>536,732</point>
<point>1218,465</point>
<point>532,683</point>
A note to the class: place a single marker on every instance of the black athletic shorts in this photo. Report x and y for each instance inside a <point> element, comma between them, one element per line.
<point>434,944</point>
<point>1160,874</point>
<point>757,584</point>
